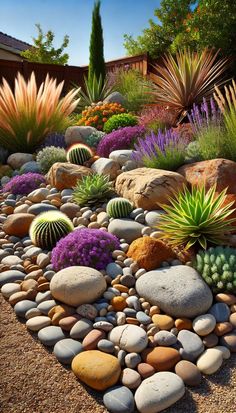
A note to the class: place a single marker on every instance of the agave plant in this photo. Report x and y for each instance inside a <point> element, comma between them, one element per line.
<point>93,189</point>
<point>96,90</point>
<point>29,114</point>
<point>187,78</point>
<point>196,217</point>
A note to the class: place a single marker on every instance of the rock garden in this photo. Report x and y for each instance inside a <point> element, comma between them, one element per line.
<point>117,229</point>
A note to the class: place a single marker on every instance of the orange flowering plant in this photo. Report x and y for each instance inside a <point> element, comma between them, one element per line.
<point>97,115</point>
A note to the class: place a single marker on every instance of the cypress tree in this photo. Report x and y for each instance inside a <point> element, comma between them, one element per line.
<point>96,58</point>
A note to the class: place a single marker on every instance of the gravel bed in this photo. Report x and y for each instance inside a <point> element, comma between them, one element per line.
<point>34,381</point>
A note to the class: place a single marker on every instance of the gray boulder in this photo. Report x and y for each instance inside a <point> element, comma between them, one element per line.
<point>75,134</point>
<point>115,97</point>
<point>125,229</point>
<point>178,291</point>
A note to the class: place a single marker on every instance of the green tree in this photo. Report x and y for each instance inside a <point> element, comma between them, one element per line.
<point>43,51</point>
<point>96,57</point>
<point>197,24</point>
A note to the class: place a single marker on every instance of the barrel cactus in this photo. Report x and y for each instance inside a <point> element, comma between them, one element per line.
<point>218,268</point>
<point>119,208</point>
<point>79,153</point>
<point>48,228</point>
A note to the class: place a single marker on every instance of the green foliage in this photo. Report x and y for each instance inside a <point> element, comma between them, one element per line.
<point>197,24</point>
<point>213,143</point>
<point>135,89</point>
<point>193,152</point>
<point>119,208</point>
<point>92,190</point>
<point>217,266</point>
<point>79,153</point>
<point>96,57</point>
<point>96,90</point>
<point>196,217</point>
<point>94,139</point>
<point>48,228</point>
<point>43,51</point>
<point>50,155</point>
<point>120,121</point>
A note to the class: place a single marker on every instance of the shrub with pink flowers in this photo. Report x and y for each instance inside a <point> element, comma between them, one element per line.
<point>86,246</point>
<point>157,117</point>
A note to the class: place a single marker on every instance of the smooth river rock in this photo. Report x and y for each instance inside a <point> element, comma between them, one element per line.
<point>129,337</point>
<point>192,345</point>
<point>10,276</point>
<point>119,399</point>
<point>210,361</point>
<point>66,349</point>
<point>50,335</point>
<point>125,229</point>
<point>159,392</point>
<point>178,291</point>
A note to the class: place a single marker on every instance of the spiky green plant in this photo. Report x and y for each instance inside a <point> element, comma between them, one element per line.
<point>79,153</point>
<point>92,190</point>
<point>196,217</point>
<point>50,155</point>
<point>95,90</point>
<point>119,207</point>
<point>49,227</point>
<point>217,266</point>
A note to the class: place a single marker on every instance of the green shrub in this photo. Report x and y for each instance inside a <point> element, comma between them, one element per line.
<point>120,121</point>
<point>94,139</point>
<point>50,155</point>
<point>92,190</point>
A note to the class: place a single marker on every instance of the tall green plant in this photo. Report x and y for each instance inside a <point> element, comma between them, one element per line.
<point>96,58</point>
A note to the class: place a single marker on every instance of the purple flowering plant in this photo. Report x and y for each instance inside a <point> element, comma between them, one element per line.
<point>24,184</point>
<point>123,138</point>
<point>54,139</point>
<point>205,116</point>
<point>87,247</point>
<point>164,150</point>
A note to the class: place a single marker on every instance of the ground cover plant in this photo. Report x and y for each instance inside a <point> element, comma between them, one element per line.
<point>123,138</point>
<point>119,121</point>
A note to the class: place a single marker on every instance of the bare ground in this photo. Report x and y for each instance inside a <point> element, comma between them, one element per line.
<point>32,380</point>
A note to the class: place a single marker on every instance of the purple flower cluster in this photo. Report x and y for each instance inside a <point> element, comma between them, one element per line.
<point>123,138</point>
<point>24,184</point>
<point>54,139</point>
<point>205,115</point>
<point>88,247</point>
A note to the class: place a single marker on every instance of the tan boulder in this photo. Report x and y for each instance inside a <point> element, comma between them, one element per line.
<point>18,224</point>
<point>221,172</point>
<point>65,175</point>
<point>148,187</point>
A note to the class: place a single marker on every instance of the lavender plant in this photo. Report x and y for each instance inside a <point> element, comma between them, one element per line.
<point>162,151</point>
<point>24,184</point>
<point>123,138</point>
<point>86,246</point>
<point>205,116</point>
<point>54,139</point>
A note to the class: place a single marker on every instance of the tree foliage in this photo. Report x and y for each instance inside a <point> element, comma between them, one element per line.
<point>197,24</point>
<point>43,50</point>
<point>96,56</point>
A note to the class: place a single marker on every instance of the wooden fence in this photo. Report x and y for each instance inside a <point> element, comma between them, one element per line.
<point>70,74</point>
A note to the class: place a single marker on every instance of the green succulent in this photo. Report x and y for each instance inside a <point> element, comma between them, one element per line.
<point>94,139</point>
<point>217,266</point>
<point>92,190</point>
<point>119,207</point>
<point>196,217</point>
<point>49,227</point>
<point>50,155</point>
<point>119,121</point>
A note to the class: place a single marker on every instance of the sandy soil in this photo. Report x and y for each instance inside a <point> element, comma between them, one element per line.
<point>32,380</point>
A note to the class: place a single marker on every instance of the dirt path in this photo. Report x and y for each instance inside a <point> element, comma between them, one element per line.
<point>32,381</point>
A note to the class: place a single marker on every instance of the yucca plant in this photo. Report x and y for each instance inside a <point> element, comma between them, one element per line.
<point>96,90</point>
<point>187,78</point>
<point>29,114</point>
<point>93,189</point>
<point>196,217</point>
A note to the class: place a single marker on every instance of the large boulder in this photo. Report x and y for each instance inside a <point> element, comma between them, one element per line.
<point>65,175</point>
<point>16,160</point>
<point>147,187</point>
<point>77,285</point>
<point>178,291</point>
<point>75,134</point>
<point>221,172</point>
<point>18,224</point>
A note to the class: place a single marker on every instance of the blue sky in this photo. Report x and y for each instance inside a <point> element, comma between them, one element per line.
<point>73,17</point>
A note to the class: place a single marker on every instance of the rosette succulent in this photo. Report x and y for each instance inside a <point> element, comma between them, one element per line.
<point>92,189</point>
<point>24,184</point>
<point>48,228</point>
<point>86,247</point>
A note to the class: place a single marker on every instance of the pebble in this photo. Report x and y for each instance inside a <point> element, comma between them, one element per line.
<point>42,260</point>
<point>10,276</point>
<point>120,355</point>
<point>120,318</point>
<point>165,338</point>
<point>226,298</point>
<point>10,288</point>
<point>66,349</point>
<point>211,340</point>
<point>220,311</point>
<point>119,399</point>
<point>163,322</point>
<point>232,319</point>
<point>130,378</point>
<point>225,352</point>
<point>92,338</point>
<point>11,260</point>
<point>128,280</point>
<point>188,372</point>
<point>161,358</point>
<point>210,361</point>
<point>105,345</point>
<point>36,209</point>
<point>132,360</point>
<point>204,324</point>
<point>81,328</point>
<point>23,306</point>
<point>44,296</point>
<point>45,306</point>
<point>129,337</point>
<point>159,392</point>
<point>223,328</point>
<point>38,322</point>
<point>87,311</point>
<point>50,335</point>
<point>143,318</point>
<point>103,325</point>
<point>145,370</point>
<point>183,324</point>
<point>229,341</point>
<point>192,345</point>
<point>33,312</point>
<point>113,269</point>
<point>133,302</point>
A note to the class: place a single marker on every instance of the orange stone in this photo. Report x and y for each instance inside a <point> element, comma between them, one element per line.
<point>161,358</point>
<point>223,328</point>
<point>163,322</point>
<point>183,324</point>
<point>18,224</point>
<point>118,303</point>
<point>60,311</point>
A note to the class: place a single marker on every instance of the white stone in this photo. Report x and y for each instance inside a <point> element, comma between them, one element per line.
<point>16,160</point>
<point>204,324</point>
<point>38,195</point>
<point>129,337</point>
<point>210,361</point>
<point>121,156</point>
<point>105,166</point>
<point>38,322</point>
<point>10,288</point>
